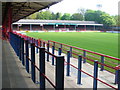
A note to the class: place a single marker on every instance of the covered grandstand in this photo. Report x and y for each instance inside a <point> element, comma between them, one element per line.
<point>28,24</point>
<point>24,64</point>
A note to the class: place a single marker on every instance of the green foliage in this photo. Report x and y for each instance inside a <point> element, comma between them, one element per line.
<point>77,16</point>
<point>92,15</point>
<point>117,20</point>
<point>53,16</point>
<point>32,16</point>
<point>100,17</point>
<point>97,16</point>
<point>107,20</point>
<point>38,15</point>
<point>66,16</point>
<point>46,15</point>
<point>58,16</point>
<point>87,15</point>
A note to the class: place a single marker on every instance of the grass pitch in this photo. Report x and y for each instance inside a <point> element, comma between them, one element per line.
<point>105,43</point>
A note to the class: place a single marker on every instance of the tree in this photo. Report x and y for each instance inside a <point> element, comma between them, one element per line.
<point>32,16</point>
<point>77,16</point>
<point>97,16</point>
<point>82,11</point>
<point>53,16</point>
<point>117,20</point>
<point>38,15</point>
<point>100,17</point>
<point>107,20</point>
<point>90,15</point>
<point>45,15</point>
<point>58,16</point>
<point>66,16</point>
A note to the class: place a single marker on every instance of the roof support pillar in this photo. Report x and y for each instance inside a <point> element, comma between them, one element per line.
<point>54,27</point>
<point>94,27</point>
<point>4,26</point>
<point>65,27</point>
<point>30,27</point>
<point>85,27</point>
<point>42,27</point>
<point>75,27</point>
<point>9,19</point>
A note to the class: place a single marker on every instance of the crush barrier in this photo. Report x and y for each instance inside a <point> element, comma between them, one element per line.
<point>102,64</point>
<point>48,45</point>
<point>105,59</point>
<point>21,48</point>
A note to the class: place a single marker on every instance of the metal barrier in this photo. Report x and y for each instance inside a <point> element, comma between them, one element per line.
<point>19,44</point>
<point>60,59</point>
<point>85,52</point>
<point>102,60</point>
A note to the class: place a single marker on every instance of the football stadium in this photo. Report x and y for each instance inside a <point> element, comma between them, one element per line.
<point>57,54</point>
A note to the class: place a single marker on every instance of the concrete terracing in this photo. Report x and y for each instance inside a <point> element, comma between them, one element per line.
<point>15,75</point>
<point>71,81</point>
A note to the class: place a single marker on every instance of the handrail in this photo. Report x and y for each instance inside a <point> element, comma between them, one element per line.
<point>88,51</point>
<point>91,76</point>
<point>73,65</point>
<point>42,73</point>
<point>93,61</point>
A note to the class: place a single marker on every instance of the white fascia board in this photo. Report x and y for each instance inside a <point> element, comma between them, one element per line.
<point>92,24</point>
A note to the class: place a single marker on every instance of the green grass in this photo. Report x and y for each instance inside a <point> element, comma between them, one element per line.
<point>105,43</point>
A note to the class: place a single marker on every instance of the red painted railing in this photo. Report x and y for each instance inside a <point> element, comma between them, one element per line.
<point>87,51</point>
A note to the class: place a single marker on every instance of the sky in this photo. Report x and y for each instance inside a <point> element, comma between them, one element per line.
<point>71,6</point>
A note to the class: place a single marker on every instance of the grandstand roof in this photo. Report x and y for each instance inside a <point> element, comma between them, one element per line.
<point>58,22</point>
<point>23,8</point>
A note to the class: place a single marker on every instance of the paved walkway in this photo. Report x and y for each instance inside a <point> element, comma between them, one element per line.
<point>14,74</point>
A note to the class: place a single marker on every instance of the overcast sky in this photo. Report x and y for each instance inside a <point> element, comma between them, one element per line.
<point>71,6</point>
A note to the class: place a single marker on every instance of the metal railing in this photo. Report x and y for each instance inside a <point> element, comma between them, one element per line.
<point>21,47</point>
<point>48,45</point>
